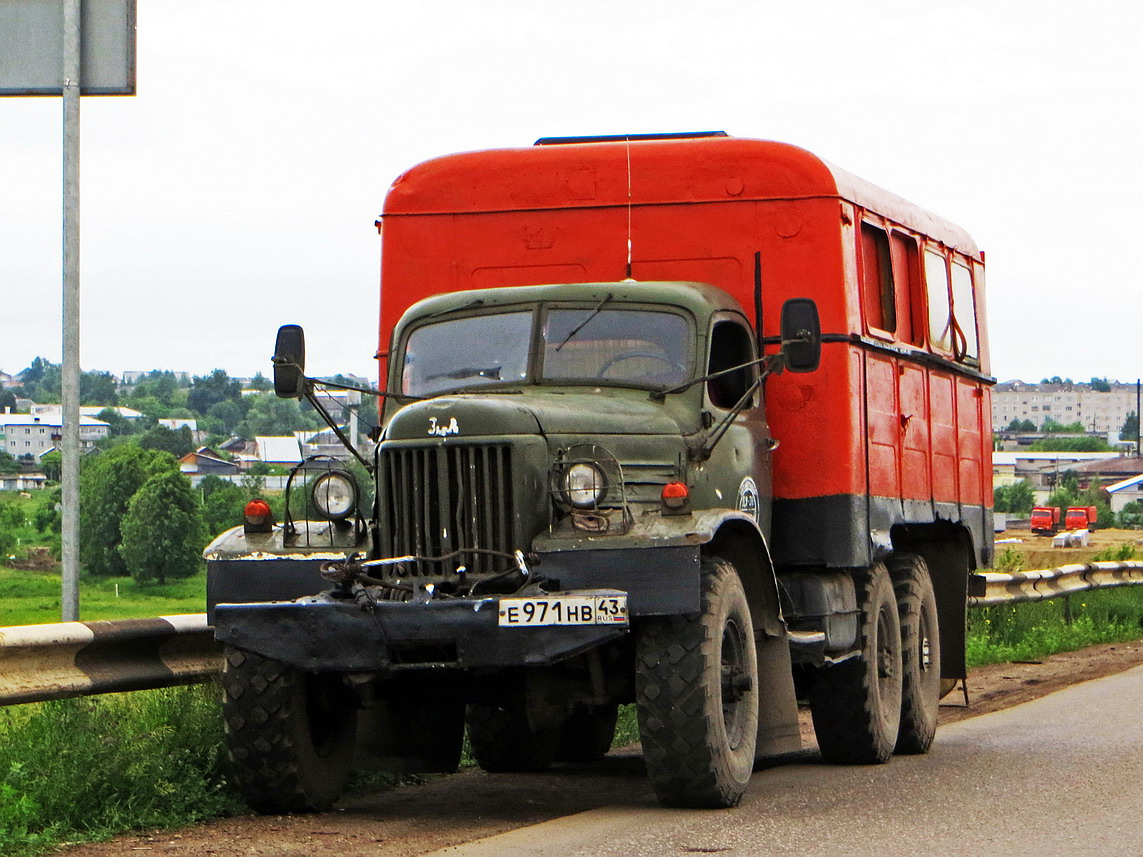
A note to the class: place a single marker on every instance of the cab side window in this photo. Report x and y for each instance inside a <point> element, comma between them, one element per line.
<point>877,279</point>
<point>731,344</point>
<point>952,306</point>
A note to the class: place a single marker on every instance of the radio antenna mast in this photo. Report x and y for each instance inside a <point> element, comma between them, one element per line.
<point>627,140</point>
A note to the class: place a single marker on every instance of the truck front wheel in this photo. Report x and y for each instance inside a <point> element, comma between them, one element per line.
<point>856,704</point>
<point>290,734</point>
<point>696,693</point>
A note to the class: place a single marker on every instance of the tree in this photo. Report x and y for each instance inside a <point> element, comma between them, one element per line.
<point>37,371</point>
<point>156,547</point>
<point>223,504</point>
<point>7,400</point>
<point>177,443</point>
<point>47,518</point>
<point>41,380</point>
<point>97,388</point>
<point>1070,444</point>
<point>1018,424</point>
<point>229,413</point>
<point>11,519</point>
<point>1051,426</point>
<point>8,464</point>
<point>269,415</point>
<point>211,389</point>
<point>107,482</point>
<point>1131,515</point>
<point>1017,498</point>
<point>51,463</point>
<point>1100,385</point>
<point>158,385</point>
<point>118,424</point>
<point>1130,430</point>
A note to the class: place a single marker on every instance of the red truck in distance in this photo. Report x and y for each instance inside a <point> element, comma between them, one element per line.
<point>1045,520</point>
<point>1080,517</point>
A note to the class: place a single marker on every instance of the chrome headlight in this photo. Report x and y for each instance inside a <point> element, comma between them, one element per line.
<point>584,485</point>
<point>334,495</point>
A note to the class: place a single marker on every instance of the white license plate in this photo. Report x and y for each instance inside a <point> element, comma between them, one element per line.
<point>563,610</point>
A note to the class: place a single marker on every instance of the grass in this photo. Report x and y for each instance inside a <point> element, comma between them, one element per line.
<point>86,769</point>
<point>1034,630</point>
<point>33,597</point>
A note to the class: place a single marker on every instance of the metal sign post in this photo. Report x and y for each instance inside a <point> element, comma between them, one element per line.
<point>69,387</point>
<point>92,53</point>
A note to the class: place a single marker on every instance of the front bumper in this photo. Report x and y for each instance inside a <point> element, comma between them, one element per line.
<point>333,634</point>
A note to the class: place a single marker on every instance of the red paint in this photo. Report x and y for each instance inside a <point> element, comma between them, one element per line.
<point>885,421</point>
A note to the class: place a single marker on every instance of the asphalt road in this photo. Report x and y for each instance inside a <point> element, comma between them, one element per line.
<point>1062,775</point>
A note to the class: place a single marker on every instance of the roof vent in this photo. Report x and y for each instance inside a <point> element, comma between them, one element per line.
<point>620,138</point>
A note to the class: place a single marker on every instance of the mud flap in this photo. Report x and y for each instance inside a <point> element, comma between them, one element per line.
<point>778,732</point>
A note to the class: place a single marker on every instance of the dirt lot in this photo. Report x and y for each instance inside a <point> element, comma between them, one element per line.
<point>1039,553</point>
<point>450,810</point>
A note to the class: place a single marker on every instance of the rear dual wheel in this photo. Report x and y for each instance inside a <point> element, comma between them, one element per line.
<point>856,704</point>
<point>920,653</point>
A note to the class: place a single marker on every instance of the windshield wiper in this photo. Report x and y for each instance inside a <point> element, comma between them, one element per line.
<point>492,372</point>
<point>583,323</point>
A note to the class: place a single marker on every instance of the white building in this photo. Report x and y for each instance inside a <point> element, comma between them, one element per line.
<point>30,434</point>
<point>1126,491</point>
<point>54,411</point>
<point>1097,411</point>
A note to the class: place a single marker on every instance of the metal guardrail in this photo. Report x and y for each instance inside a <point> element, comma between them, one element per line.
<point>41,662</point>
<point>991,589</point>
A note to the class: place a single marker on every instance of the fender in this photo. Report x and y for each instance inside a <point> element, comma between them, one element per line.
<point>246,567</point>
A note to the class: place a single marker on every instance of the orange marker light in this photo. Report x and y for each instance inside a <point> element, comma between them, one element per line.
<point>257,512</point>
<point>675,495</point>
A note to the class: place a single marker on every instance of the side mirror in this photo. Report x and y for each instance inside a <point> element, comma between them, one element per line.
<point>801,335</point>
<point>289,361</point>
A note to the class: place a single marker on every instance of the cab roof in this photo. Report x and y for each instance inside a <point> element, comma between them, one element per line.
<point>700,299</point>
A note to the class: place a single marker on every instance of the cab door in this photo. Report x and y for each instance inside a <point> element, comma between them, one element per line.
<point>739,465</point>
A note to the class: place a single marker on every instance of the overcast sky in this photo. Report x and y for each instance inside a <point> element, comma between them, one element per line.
<point>238,189</point>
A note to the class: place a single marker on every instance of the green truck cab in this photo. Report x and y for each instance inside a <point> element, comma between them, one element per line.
<point>570,512</point>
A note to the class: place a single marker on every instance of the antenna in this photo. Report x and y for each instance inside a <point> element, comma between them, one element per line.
<point>627,139</point>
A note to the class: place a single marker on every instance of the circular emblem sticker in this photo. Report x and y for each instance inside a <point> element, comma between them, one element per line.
<point>748,498</point>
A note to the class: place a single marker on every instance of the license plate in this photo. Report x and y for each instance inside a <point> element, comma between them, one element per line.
<point>563,610</point>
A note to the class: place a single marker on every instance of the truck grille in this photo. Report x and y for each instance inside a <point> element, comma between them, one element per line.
<point>441,499</point>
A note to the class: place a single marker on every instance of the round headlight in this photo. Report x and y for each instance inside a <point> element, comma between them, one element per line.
<point>584,485</point>
<point>334,495</point>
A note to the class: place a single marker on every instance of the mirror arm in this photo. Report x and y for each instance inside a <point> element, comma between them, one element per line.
<point>308,395</point>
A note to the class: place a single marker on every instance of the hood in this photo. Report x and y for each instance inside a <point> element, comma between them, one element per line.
<point>535,412</point>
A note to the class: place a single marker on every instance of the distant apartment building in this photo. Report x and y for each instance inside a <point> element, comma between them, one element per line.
<point>1098,411</point>
<point>29,434</point>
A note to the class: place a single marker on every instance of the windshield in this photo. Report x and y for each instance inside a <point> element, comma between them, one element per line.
<point>597,345</point>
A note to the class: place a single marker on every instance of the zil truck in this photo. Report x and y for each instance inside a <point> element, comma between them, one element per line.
<point>684,421</point>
